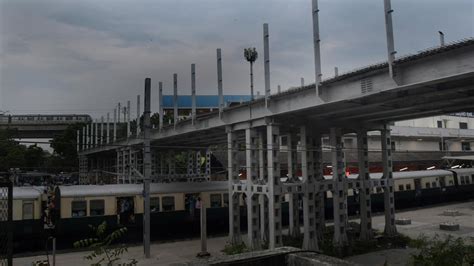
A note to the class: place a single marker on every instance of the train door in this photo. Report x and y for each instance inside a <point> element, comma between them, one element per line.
<point>125,210</point>
<point>190,202</point>
<point>418,191</point>
<point>442,181</point>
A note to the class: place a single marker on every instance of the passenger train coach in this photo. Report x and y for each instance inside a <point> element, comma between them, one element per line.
<point>173,215</point>
<point>44,119</point>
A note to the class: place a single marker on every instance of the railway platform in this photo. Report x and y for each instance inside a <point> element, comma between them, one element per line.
<point>423,221</point>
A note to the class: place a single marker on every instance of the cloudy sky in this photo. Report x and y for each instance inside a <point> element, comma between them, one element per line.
<point>85,56</point>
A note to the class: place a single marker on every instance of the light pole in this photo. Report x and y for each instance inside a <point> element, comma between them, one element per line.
<point>251,56</point>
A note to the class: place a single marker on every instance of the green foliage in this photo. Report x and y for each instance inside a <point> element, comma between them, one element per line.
<point>102,251</point>
<point>442,251</point>
<point>230,249</point>
<point>15,155</point>
<point>250,54</point>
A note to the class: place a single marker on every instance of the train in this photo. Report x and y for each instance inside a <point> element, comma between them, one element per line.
<point>44,119</point>
<point>173,210</point>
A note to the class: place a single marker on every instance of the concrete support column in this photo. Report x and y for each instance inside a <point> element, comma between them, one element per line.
<point>365,188</point>
<point>198,163</point>
<point>263,201</point>
<point>252,199</point>
<point>115,125</point>
<point>129,132</point>
<point>317,172</point>
<point>261,157</point>
<point>130,164</point>
<point>339,192</point>
<point>138,116</point>
<point>389,200</point>
<point>160,108</point>
<point>118,167</point>
<point>175,99</point>
<point>219,82</point>
<point>78,140</point>
<point>190,164</point>
<point>208,163</point>
<point>84,133</point>
<point>171,163</point>
<point>274,187</point>
<point>101,132</point>
<point>96,133</point>
<point>193,92</point>
<point>310,239</point>
<point>233,177</point>
<point>292,155</point>
<point>107,136</point>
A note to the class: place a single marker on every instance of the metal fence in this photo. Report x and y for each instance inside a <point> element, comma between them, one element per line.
<point>6,217</point>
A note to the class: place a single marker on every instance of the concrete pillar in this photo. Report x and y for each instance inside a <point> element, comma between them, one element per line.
<point>274,187</point>
<point>389,200</point>
<point>129,163</point>
<point>190,164</point>
<point>84,134</point>
<point>316,46</point>
<point>146,164</point>
<point>160,100</point>
<point>266,59</point>
<point>117,165</point>
<point>96,133</point>
<point>208,163</point>
<point>193,92</point>
<point>203,223</point>
<point>365,186</point>
<point>175,98</point>
<point>198,163</point>
<point>107,136</point>
<point>339,191</point>
<point>317,172</point>
<point>233,177</point>
<point>263,202</point>
<point>310,239</point>
<point>171,163</point>
<point>138,116</point>
<point>115,125</point>
<point>219,82</point>
<point>261,157</point>
<point>252,199</point>
<point>78,140</point>
<point>118,110</point>
<point>294,225</point>
<point>129,132</point>
<point>389,36</point>
<point>101,132</point>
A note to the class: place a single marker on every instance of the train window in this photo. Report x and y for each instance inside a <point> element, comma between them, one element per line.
<point>49,118</point>
<point>78,208</point>
<point>97,207</point>
<point>428,185</point>
<point>155,204</point>
<point>28,210</point>
<point>462,180</point>
<point>68,118</point>
<point>168,203</point>
<point>226,199</point>
<point>216,200</point>
<point>30,118</point>
<point>433,184</point>
<point>462,125</point>
<point>400,187</point>
<point>408,186</point>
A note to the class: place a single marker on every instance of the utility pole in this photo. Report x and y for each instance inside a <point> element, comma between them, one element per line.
<point>146,169</point>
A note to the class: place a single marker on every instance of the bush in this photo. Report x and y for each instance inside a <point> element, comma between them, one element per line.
<point>230,249</point>
<point>442,251</point>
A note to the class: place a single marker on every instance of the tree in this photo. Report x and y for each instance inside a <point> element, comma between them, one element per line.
<point>101,245</point>
<point>251,56</point>
<point>65,145</point>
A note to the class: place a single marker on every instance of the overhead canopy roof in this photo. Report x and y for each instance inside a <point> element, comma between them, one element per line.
<point>462,158</point>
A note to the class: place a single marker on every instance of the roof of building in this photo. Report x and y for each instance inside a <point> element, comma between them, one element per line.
<point>203,101</point>
<point>137,189</point>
